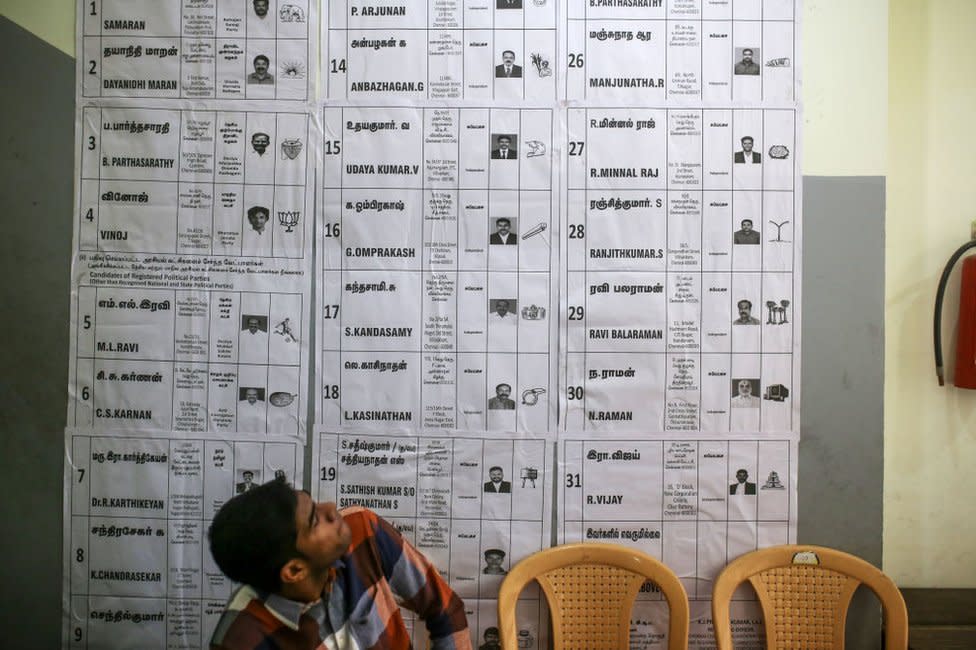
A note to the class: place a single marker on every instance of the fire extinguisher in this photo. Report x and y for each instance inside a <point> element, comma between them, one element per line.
<point>966,349</point>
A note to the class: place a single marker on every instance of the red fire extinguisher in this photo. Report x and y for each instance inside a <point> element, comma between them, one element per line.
<point>966,349</point>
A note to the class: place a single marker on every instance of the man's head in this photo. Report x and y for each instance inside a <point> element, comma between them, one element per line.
<point>261,64</point>
<point>747,55</point>
<point>501,307</point>
<point>745,390</point>
<point>741,476</point>
<point>496,474</point>
<point>504,142</point>
<point>253,325</point>
<point>746,225</point>
<point>253,536</point>
<point>745,308</point>
<point>261,8</point>
<point>251,395</point>
<point>747,143</point>
<point>258,217</point>
<point>494,558</point>
<point>503,225</point>
<point>508,57</point>
<point>491,635</point>
<point>503,390</point>
<point>279,474</point>
<point>260,142</point>
<point>247,475</point>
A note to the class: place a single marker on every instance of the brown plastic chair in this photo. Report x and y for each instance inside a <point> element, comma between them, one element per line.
<point>804,592</point>
<point>590,589</point>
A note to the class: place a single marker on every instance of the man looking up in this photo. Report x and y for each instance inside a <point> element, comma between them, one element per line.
<point>313,577</point>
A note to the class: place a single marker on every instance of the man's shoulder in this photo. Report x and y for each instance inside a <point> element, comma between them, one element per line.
<point>246,621</point>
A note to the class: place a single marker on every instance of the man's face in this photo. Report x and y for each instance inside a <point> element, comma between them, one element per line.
<point>503,391</point>
<point>491,637</point>
<point>746,226</point>
<point>501,307</point>
<point>741,476</point>
<point>747,144</point>
<point>261,66</point>
<point>493,560</point>
<point>261,8</point>
<point>496,476</point>
<point>260,142</point>
<point>323,536</point>
<point>508,58</point>
<point>504,226</point>
<point>248,477</point>
<point>745,309</point>
<point>747,56</point>
<point>745,389</point>
<point>252,325</point>
<point>504,142</point>
<point>259,220</point>
<point>251,395</point>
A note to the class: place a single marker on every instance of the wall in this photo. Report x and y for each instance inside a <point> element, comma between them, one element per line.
<point>929,534</point>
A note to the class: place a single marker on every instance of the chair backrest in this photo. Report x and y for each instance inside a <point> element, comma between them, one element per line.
<point>590,589</point>
<point>804,592</point>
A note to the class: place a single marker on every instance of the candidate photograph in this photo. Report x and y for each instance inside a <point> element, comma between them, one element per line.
<point>746,234</point>
<point>746,66</point>
<point>504,146</point>
<point>503,235</point>
<point>507,68</point>
<point>744,393</point>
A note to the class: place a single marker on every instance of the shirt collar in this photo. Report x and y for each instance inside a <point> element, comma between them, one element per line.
<point>289,611</point>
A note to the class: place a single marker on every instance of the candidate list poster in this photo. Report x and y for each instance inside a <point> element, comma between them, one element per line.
<point>191,281</point>
<point>474,505</point>
<point>693,503</point>
<point>137,566</point>
<point>438,247</point>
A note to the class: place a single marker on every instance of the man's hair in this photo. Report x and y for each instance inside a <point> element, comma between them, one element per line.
<point>261,57</point>
<point>748,303</point>
<point>494,551</point>
<point>504,137</point>
<point>253,535</point>
<point>257,133</point>
<point>490,630</point>
<point>746,221</point>
<point>253,212</point>
<point>492,469</point>
<point>747,137</point>
<point>748,49</point>
<point>504,52</point>
<point>505,385</point>
<point>501,219</point>
<point>246,472</point>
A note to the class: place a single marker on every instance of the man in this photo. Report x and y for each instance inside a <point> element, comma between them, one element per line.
<point>261,75</point>
<point>261,8</point>
<point>258,218</point>
<point>747,65</point>
<point>745,235</point>
<point>504,150</point>
<point>312,577</point>
<point>496,484</point>
<point>251,414</point>
<point>248,482</point>
<point>493,640</point>
<point>508,4</point>
<point>503,233</point>
<point>501,399</point>
<point>493,562</point>
<point>502,314</point>
<point>253,341</point>
<point>508,67</point>
<point>747,155</point>
<point>745,398</point>
<point>742,486</point>
<point>745,314</point>
<point>260,142</point>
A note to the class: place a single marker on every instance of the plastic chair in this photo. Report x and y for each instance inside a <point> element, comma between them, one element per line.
<point>804,592</point>
<point>590,589</point>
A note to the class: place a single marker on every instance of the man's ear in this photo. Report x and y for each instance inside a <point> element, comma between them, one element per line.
<point>294,570</point>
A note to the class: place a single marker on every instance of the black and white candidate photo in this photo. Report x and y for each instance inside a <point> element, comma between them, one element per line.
<point>508,4</point>
<point>503,234</point>
<point>742,484</point>
<point>502,400</point>
<point>744,307</point>
<point>507,68</point>
<point>261,8</point>
<point>504,146</point>
<point>746,65</point>
<point>744,391</point>
<point>746,234</point>
<point>747,155</point>
<point>496,481</point>
<point>503,311</point>
<point>250,479</point>
<point>260,143</point>
<point>261,75</point>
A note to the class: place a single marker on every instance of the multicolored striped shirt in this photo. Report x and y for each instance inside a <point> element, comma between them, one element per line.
<point>361,608</point>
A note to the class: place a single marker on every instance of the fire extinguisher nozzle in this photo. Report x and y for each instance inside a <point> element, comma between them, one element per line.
<point>941,375</point>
